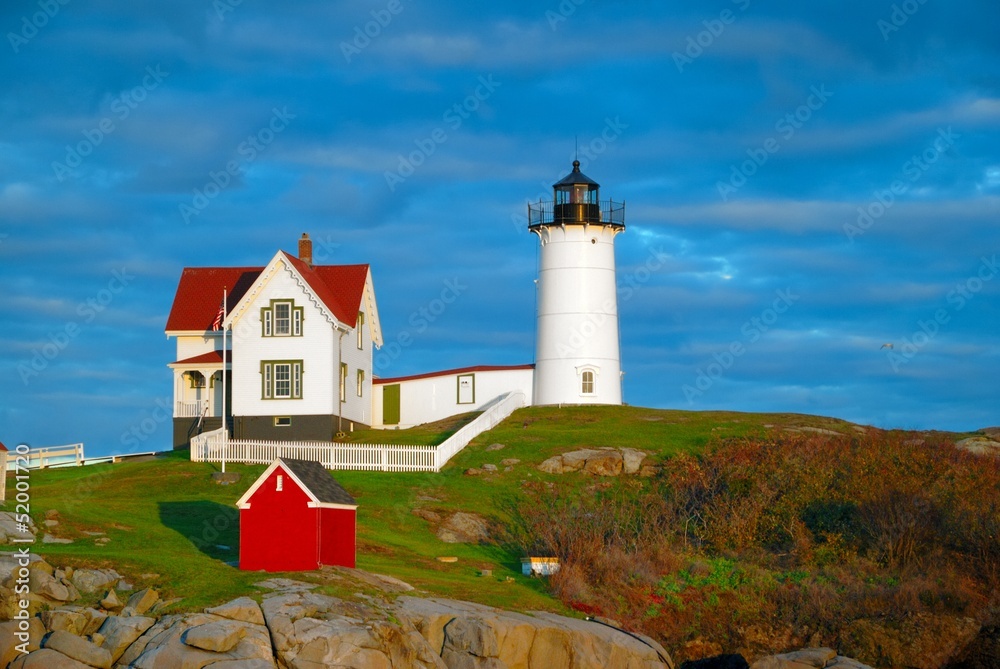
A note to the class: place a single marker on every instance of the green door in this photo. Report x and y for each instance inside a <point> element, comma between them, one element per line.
<point>390,404</point>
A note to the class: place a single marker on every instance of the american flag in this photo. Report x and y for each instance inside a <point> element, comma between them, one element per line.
<point>217,323</point>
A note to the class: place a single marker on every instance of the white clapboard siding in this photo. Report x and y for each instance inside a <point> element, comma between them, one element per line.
<point>215,446</point>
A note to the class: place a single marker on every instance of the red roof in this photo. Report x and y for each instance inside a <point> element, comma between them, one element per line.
<point>2,447</point>
<point>199,293</point>
<point>460,370</point>
<point>339,286</point>
<point>214,357</point>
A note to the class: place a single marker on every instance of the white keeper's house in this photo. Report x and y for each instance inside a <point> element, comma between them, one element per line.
<point>299,338</point>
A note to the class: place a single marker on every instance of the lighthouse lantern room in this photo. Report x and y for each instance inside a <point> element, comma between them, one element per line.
<point>577,350</point>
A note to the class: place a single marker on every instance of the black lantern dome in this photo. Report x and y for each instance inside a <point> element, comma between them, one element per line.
<point>576,202</point>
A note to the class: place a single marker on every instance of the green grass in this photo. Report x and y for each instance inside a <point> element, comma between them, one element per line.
<point>169,521</point>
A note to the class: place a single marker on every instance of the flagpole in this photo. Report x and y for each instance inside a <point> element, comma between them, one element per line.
<point>225,427</point>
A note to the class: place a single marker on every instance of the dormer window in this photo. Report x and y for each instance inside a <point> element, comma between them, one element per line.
<point>281,319</point>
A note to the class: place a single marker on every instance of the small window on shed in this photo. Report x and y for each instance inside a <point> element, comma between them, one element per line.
<point>282,421</point>
<point>281,481</point>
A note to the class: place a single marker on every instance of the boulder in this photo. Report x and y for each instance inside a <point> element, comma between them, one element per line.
<point>218,636</point>
<point>140,602</point>
<point>46,586</point>
<point>607,463</point>
<point>47,658</point>
<point>111,602</point>
<point>463,528</point>
<point>807,658</point>
<point>92,580</point>
<point>600,462</point>
<point>120,632</point>
<point>489,468</point>
<point>11,562</point>
<point>73,619</point>
<point>312,630</point>
<point>243,609</point>
<point>553,465</point>
<point>496,447</point>
<point>632,460</point>
<point>473,635</point>
<point>574,461</point>
<point>50,539</point>
<point>9,642</point>
<point>11,529</point>
<point>78,649</point>
<point>162,646</point>
<point>980,445</point>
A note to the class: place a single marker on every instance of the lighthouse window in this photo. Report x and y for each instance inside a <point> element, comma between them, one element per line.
<point>587,383</point>
<point>579,193</point>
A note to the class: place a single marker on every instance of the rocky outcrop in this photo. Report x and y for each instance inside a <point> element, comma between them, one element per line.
<point>985,445</point>
<point>11,528</point>
<point>473,635</point>
<point>463,528</point>
<point>601,462</point>
<point>819,658</point>
<point>295,627</point>
<point>93,580</point>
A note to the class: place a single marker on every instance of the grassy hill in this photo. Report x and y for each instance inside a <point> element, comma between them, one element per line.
<point>172,527</point>
<point>168,520</point>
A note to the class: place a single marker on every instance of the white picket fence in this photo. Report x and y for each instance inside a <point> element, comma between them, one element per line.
<point>216,446</point>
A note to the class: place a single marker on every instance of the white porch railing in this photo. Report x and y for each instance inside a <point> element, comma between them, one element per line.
<point>215,446</point>
<point>192,409</point>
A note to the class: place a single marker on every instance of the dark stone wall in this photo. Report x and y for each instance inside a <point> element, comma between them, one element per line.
<point>303,428</point>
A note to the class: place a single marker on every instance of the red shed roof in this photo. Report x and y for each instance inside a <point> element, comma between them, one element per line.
<point>199,293</point>
<point>317,483</point>
<point>2,447</point>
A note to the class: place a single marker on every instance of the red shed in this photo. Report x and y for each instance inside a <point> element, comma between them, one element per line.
<point>296,517</point>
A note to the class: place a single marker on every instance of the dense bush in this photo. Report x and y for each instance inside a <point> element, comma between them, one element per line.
<point>761,544</point>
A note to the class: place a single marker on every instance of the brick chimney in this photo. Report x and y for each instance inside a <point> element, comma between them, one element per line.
<point>306,249</point>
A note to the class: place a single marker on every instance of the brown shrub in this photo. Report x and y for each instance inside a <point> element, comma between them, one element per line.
<point>788,539</point>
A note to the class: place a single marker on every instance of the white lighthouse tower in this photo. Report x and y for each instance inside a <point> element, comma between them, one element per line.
<point>577,354</point>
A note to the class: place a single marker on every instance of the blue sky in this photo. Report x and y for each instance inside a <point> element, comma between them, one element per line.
<point>804,184</point>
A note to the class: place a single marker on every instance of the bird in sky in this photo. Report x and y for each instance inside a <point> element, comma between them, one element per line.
<point>885,346</point>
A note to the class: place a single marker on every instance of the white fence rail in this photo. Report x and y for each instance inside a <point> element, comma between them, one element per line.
<point>51,456</point>
<point>216,446</point>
